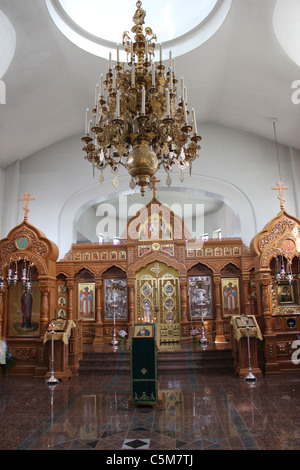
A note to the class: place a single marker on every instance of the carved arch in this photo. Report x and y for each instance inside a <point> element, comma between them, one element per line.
<point>156,257</point>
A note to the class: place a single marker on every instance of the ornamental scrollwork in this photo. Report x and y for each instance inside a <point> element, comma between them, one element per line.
<point>277,230</point>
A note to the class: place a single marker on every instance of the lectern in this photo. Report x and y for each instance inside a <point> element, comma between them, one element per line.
<point>61,333</point>
<point>246,332</point>
<point>143,364</point>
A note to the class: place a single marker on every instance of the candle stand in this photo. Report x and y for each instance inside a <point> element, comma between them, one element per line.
<point>52,380</point>
<point>250,377</point>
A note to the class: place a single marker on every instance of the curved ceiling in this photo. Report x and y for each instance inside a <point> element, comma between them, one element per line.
<point>94,25</point>
<point>240,77</point>
<point>194,209</point>
<point>7,43</point>
<point>286,23</point>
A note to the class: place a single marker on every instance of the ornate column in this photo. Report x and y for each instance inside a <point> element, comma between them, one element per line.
<point>99,320</point>
<point>183,300</point>
<point>44,311</point>
<point>70,287</point>
<point>1,314</point>
<point>270,341</point>
<point>266,305</point>
<point>220,338</point>
<point>131,301</point>
<point>247,305</point>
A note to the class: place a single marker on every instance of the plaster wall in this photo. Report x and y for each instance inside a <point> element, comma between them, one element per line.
<point>236,167</point>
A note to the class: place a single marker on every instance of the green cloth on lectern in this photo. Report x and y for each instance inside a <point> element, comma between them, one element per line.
<point>143,362</point>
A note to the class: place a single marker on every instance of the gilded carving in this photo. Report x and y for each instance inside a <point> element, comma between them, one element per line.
<point>270,351</point>
<point>277,323</point>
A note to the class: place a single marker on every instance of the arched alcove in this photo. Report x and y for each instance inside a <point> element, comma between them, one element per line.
<point>237,211</point>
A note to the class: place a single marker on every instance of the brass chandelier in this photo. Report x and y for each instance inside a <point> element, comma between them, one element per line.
<point>139,120</point>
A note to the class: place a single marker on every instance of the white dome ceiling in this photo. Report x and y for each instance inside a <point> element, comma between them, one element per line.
<point>240,78</point>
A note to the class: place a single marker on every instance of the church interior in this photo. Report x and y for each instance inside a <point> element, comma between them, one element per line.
<point>150,225</point>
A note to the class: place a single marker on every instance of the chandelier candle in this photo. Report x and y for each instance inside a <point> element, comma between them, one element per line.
<point>138,120</point>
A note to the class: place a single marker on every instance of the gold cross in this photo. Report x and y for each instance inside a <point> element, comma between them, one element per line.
<point>279,188</point>
<point>26,199</point>
<point>154,180</point>
<point>156,269</point>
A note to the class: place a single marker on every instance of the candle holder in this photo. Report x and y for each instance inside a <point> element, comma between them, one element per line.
<point>52,380</point>
<point>203,340</point>
<point>114,342</point>
<point>250,377</point>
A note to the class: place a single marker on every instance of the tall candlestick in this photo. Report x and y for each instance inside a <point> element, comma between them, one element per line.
<point>170,79</point>
<point>194,122</point>
<point>146,49</point>
<point>168,102</point>
<point>114,78</point>
<point>87,120</point>
<point>101,86</point>
<point>173,66</point>
<point>184,112</point>
<point>96,93</point>
<point>97,109</point>
<point>133,74</point>
<point>118,104</point>
<point>89,126</point>
<point>143,100</point>
<point>185,94</point>
<point>153,75</point>
<point>131,51</point>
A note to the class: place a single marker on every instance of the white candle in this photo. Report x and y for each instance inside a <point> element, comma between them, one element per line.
<point>168,102</point>
<point>185,94</point>
<point>143,100</point>
<point>118,104</point>
<point>153,75</point>
<point>194,122</point>
<point>170,59</point>
<point>146,49</point>
<point>97,110</point>
<point>101,85</point>
<point>170,79</point>
<point>96,93</point>
<point>114,78</point>
<point>182,87</point>
<point>109,62</point>
<point>87,120</point>
<point>133,74</point>
<point>184,112</point>
<point>160,53</point>
<point>173,66</point>
<point>118,53</point>
<point>131,50</point>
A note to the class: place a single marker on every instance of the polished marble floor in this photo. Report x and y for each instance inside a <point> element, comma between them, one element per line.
<point>199,411</point>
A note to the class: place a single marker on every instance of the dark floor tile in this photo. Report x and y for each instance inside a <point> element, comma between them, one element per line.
<point>211,412</point>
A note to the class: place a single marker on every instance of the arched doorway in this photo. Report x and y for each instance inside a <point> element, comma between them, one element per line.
<point>157,291</point>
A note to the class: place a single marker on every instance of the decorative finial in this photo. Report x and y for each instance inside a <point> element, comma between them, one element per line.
<point>154,180</point>
<point>279,188</point>
<point>26,198</point>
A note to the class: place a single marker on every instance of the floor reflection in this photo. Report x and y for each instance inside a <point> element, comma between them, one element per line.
<point>198,411</point>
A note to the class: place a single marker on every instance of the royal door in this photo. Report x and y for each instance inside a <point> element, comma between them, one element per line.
<point>158,298</point>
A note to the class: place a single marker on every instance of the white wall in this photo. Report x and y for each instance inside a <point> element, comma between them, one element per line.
<point>2,176</point>
<point>238,167</point>
<point>10,196</point>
